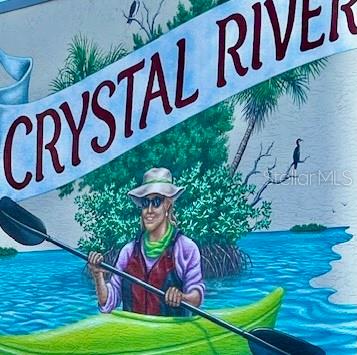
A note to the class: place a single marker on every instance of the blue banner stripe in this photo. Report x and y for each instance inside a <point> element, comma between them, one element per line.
<point>10,5</point>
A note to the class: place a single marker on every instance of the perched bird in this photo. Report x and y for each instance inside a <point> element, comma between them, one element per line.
<point>134,8</point>
<point>296,155</point>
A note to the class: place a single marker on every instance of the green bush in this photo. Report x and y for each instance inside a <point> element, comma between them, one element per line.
<point>203,137</point>
<point>109,218</point>
<point>312,227</point>
<point>214,210</point>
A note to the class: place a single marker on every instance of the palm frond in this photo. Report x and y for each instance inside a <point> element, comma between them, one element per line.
<point>260,101</point>
<point>84,58</point>
<point>296,85</point>
<point>313,69</point>
<point>114,54</point>
<point>62,81</point>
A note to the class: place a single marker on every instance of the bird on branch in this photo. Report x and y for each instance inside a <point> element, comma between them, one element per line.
<point>134,8</point>
<point>296,154</point>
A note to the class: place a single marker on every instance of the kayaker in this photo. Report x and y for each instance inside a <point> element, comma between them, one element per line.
<point>160,255</point>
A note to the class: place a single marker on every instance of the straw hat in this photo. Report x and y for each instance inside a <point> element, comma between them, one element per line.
<point>156,181</point>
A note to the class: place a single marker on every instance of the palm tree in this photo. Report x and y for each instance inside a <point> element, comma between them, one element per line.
<point>260,101</point>
<point>84,58</point>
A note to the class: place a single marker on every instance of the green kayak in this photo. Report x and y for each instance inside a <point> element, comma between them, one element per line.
<point>130,333</point>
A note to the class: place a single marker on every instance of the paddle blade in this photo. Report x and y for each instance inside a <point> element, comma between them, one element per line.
<point>285,342</point>
<point>15,221</point>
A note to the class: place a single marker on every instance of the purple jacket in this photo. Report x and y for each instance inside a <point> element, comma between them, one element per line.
<point>188,267</point>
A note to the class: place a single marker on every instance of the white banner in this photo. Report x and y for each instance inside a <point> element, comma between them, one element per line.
<point>55,140</point>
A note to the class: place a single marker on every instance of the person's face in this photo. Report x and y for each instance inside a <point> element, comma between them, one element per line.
<point>154,208</point>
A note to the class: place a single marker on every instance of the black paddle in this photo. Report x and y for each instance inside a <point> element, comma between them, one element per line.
<point>27,229</point>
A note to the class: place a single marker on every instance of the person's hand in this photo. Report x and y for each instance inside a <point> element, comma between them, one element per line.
<point>94,260</point>
<point>173,297</point>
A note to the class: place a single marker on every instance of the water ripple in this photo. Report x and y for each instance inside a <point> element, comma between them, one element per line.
<point>291,260</point>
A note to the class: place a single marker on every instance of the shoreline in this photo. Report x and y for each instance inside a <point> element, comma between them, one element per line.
<point>56,249</point>
<point>287,230</point>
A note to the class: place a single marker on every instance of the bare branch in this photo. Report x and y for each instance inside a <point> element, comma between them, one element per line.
<point>257,197</point>
<point>271,168</point>
<point>260,156</point>
<point>156,14</point>
<point>140,23</point>
<point>303,161</point>
<point>147,18</point>
<point>147,25</point>
<point>275,181</point>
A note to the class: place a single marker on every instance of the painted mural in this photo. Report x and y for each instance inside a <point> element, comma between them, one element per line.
<point>177,177</point>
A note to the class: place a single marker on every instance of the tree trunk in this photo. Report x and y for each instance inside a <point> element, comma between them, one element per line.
<point>242,146</point>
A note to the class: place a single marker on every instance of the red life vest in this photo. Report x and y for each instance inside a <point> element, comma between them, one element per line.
<point>162,275</point>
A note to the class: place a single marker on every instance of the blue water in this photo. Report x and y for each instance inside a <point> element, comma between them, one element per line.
<point>44,290</point>
<point>291,260</point>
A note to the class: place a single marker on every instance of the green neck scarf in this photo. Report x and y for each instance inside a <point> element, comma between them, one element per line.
<point>155,249</point>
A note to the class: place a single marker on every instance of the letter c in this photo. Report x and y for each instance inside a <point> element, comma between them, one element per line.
<point>8,153</point>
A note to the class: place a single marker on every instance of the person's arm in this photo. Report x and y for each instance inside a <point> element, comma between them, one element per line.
<point>188,261</point>
<point>173,297</point>
<point>193,297</point>
<point>94,259</point>
<point>109,294</point>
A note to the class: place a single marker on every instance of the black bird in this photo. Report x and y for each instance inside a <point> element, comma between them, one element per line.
<point>134,8</point>
<point>296,155</point>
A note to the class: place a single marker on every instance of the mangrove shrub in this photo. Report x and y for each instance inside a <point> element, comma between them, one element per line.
<point>214,211</point>
<point>7,251</point>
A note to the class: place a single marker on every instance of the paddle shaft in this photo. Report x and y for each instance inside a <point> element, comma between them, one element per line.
<point>161,293</point>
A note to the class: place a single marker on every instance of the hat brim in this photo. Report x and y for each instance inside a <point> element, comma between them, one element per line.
<point>164,189</point>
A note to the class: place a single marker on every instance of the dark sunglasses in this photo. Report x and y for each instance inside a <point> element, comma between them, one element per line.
<point>155,202</point>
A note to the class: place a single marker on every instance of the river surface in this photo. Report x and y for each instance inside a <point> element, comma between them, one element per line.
<point>45,290</point>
